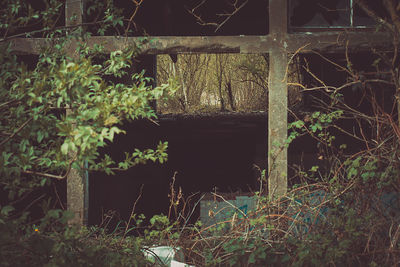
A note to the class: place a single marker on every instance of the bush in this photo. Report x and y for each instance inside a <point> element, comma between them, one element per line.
<point>53,243</point>
<point>56,111</point>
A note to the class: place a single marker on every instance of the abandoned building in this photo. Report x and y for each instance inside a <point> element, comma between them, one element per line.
<point>218,150</point>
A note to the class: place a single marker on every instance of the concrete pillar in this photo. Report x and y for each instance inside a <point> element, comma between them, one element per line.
<point>277,100</point>
<point>77,182</point>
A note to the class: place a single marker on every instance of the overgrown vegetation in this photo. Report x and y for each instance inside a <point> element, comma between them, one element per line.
<point>221,82</point>
<point>58,110</point>
<point>216,82</point>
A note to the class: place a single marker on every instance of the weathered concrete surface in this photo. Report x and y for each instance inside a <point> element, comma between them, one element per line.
<point>277,101</point>
<point>277,125</point>
<point>321,41</point>
<point>77,184</point>
<point>76,195</point>
<point>336,41</point>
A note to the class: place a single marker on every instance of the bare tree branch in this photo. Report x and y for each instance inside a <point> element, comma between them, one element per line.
<point>17,131</point>
<point>236,7</point>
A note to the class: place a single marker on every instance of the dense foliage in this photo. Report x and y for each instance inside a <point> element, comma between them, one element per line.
<point>57,110</point>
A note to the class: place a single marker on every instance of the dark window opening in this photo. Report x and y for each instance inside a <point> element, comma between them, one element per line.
<point>205,153</point>
<point>363,99</point>
<point>41,17</point>
<point>320,14</point>
<point>209,149</point>
<point>187,17</point>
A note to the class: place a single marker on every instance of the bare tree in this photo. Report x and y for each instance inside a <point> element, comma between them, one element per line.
<point>220,63</point>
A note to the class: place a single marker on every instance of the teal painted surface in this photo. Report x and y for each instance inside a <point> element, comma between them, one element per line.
<point>313,209</point>
<point>214,212</point>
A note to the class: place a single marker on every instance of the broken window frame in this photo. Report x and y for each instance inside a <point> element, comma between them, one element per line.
<point>351,5</point>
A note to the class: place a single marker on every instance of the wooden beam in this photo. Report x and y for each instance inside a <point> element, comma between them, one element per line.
<point>277,100</point>
<point>322,41</point>
<point>77,181</point>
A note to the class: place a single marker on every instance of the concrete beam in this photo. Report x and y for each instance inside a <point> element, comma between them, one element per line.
<point>321,41</point>
<point>336,42</point>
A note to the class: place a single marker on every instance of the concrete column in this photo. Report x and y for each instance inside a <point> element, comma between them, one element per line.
<point>277,100</point>
<point>77,182</point>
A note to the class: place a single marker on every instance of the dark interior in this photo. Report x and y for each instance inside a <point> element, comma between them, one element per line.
<point>206,152</point>
<point>174,17</point>
<point>331,13</point>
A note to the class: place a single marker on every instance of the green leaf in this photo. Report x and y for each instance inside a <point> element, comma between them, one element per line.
<point>6,210</point>
<point>252,259</point>
<point>314,168</point>
<point>54,214</point>
<point>43,181</point>
<point>64,148</point>
<point>40,136</point>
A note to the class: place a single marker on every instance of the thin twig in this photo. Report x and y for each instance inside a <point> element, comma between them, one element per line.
<point>230,15</point>
<point>133,211</point>
<point>17,131</point>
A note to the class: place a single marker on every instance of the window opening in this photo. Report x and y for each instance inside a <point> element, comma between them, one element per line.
<point>32,25</point>
<point>319,14</point>
<point>359,94</point>
<point>212,83</point>
<point>183,17</point>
